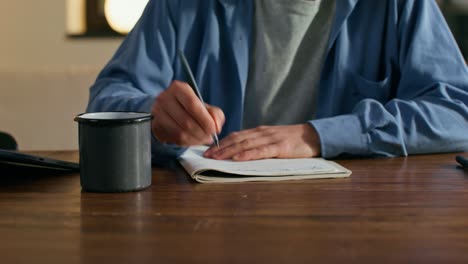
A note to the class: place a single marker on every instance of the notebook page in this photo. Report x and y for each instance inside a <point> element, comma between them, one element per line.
<point>194,162</point>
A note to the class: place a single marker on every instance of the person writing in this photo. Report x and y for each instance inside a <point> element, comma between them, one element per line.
<point>289,79</point>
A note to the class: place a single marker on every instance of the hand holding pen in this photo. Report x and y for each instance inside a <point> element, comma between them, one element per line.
<point>193,84</point>
<point>181,117</point>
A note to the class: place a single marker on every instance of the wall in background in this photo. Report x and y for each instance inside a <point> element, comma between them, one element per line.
<point>45,77</point>
<point>456,14</point>
<point>34,36</point>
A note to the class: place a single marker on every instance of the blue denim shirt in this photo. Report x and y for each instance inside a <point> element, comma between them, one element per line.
<point>393,82</point>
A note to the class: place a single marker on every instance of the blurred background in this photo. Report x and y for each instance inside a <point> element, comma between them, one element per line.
<point>456,14</point>
<point>51,52</point>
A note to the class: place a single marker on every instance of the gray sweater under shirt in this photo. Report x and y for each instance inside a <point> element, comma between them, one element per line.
<point>289,45</point>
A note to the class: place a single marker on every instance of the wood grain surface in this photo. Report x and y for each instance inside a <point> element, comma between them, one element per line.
<point>401,210</point>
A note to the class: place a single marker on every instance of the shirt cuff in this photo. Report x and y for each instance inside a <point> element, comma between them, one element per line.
<point>341,135</point>
<point>164,154</point>
<point>146,104</point>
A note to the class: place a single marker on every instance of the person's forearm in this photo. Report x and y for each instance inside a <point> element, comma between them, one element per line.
<point>108,96</point>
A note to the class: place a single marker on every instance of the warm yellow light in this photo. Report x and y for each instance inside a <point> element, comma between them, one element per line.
<point>76,17</point>
<point>122,15</point>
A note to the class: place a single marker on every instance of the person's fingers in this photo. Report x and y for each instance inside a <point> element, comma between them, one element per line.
<point>239,143</point>
<point>173,123</point>
<point>218,116</point>
<point>167,130</point>
<point>241,147</point>
<point>192,104</point>
<point>239,136</point>
<point>160,132</point>
<point>161,126</point>
<point>292,141</point>
<point>261,152</point>
<point>184,120</point>
<point>226,142</point>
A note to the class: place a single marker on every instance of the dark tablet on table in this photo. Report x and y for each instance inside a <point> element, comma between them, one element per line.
<point>13,159</point>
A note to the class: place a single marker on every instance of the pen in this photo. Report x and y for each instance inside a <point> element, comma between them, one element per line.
<point>193,84</point>
<point>462,161</point>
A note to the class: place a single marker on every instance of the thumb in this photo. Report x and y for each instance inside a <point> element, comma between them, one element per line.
<point>218,116</point>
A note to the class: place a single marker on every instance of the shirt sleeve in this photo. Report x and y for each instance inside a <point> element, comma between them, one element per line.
<point>429,112</point>
<point>141,69</point>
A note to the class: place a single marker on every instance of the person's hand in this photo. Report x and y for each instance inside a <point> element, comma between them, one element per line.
<point>179,117</point>
<point>293,141</point>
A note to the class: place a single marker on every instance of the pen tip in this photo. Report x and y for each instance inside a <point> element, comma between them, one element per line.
<point>216,140</point>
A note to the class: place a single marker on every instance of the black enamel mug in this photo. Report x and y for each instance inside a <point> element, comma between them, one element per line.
<point>115,151</point>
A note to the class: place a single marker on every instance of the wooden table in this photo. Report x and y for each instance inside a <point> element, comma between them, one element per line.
<point>402,210</point>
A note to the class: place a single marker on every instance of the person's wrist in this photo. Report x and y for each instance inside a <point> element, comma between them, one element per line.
<point>313,139</point>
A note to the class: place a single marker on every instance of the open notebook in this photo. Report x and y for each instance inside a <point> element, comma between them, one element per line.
<point>222,171</point>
